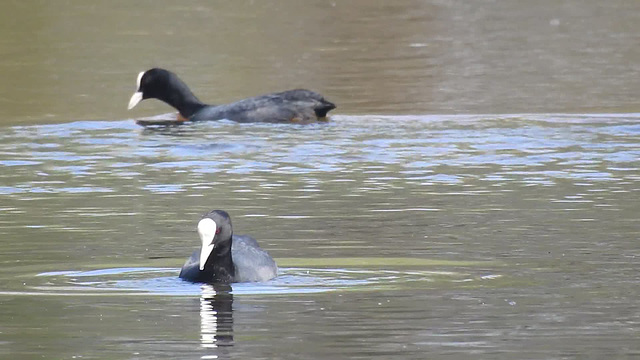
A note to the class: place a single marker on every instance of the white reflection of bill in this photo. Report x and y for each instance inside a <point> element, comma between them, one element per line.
<point>216,319</point>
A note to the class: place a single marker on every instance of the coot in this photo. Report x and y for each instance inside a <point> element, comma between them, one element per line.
<point>288,106</point>
<point>224,257</point>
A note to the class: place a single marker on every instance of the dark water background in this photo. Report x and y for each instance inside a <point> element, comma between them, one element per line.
<point>474,195</point>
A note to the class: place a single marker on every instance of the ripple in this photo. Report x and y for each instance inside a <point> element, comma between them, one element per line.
<point>293,280</point>
<point>419,147</point>
<point>19,162</point>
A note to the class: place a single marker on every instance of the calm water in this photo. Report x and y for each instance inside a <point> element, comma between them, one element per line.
<point>398,235</point>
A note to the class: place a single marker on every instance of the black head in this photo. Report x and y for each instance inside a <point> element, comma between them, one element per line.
<point>166,86</point>
<point>155,83</point>
<point>215,232</point>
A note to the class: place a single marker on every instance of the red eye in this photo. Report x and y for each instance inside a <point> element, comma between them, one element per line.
<point>218,231</point>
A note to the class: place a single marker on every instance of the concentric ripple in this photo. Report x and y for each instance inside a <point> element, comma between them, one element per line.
<point>163,281</point>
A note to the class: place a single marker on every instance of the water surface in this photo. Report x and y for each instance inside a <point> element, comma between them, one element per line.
<point>474,195</point>
<point>449,234</point>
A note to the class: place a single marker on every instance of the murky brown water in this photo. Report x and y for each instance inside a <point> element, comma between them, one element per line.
<point>424,230</point>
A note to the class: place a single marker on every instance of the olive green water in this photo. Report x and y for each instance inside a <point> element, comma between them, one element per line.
<point>474,195</point>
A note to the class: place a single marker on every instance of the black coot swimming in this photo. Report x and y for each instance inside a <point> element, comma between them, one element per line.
<point>224,257</point>
<point>288,106</point>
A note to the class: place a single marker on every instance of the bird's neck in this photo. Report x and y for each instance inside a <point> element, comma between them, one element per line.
<point>183,99</point>
<point>223,268</point>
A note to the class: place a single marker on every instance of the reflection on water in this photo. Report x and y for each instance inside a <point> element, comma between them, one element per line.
<point>216,318</point>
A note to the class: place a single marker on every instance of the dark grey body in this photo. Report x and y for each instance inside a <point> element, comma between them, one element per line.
<point>288,106</point>
<point>250,263</point>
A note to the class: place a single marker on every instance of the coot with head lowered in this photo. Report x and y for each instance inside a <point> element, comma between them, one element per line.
<point>288,106</point>
<point>224,257</point>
